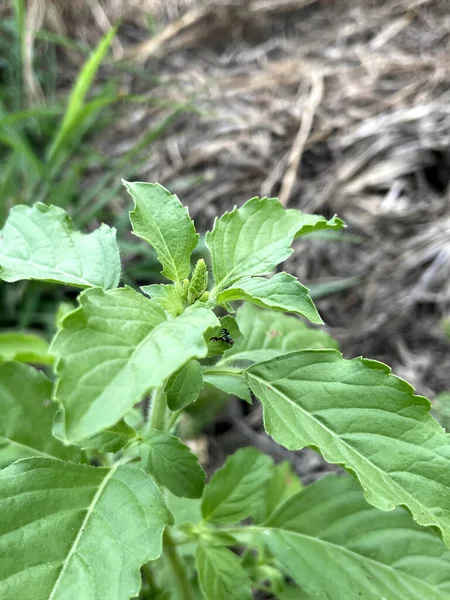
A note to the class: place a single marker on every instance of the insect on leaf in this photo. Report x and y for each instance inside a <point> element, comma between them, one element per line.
<point>116,347</point>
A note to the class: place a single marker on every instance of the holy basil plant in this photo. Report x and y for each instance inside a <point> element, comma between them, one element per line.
<point>99,496</point>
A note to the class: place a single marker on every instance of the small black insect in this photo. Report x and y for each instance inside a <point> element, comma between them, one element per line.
<point>223,337</point>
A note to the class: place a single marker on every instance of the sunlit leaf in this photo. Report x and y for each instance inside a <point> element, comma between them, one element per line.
<point>113,349</point>
<point>167,296</point>
<point>59,519</point>
<point>267,334</point>
<point>255,238</point>
<point>40,243</point>
<point>161,220</point>
<point>281,292</point>
<point>360,416</point>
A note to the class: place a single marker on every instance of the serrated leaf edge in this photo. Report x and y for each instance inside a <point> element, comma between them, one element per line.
<point>373,498</point>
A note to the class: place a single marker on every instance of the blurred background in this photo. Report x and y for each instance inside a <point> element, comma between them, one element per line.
<point>332,106</point>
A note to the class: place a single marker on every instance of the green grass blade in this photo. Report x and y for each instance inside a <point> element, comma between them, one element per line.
<point>21,145</point>
<point>81,88</point>
<point>19,11</point>
<point>32,113</point>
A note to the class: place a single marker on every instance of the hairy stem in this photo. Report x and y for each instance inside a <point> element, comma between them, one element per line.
<point>172,420</point>
<point>177,568</point>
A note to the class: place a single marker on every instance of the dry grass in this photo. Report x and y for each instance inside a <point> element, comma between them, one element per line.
<point>336,107</point>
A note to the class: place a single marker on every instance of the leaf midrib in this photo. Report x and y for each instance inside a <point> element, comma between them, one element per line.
<point>226,279</point>
<point>162,239</point>
<point>51,269</point>
<point>81,530</point>
<point>384,474</point>
<point>228,494</point>
<point>69,233</point>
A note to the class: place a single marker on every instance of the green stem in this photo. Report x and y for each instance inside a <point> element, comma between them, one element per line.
<point>173,418</point>
<point>158,410</point>
<point>219,370</point>
<point>177,568</point>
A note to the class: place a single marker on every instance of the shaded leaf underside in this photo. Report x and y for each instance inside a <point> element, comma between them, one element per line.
<point>332,543</point>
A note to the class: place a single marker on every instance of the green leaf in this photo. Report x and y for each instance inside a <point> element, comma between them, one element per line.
<point>167,296</point>
<point>76,104</point>
<point>221,575</point>
<point>229,382</point>
<point>281,292</point>
<point>253,239</point>
<point>27,416</point>
<point>267,334</point>
<point>172,464</point>
<point>64,309</point>
<point>441,409</point>
<point>184,510</point>
<point>446,325</point>
<point>113,349</point>
<point>332,543</point>
<point>235,489</point>
<point>111,439</point>
<point>24,347</point>
<point>40,243</point>
<point>360,416</point>
<point>161,220</point>
<point>292,592</point>
<point>59,522</point>
<point>283,484</point>
<point>184,386</point>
